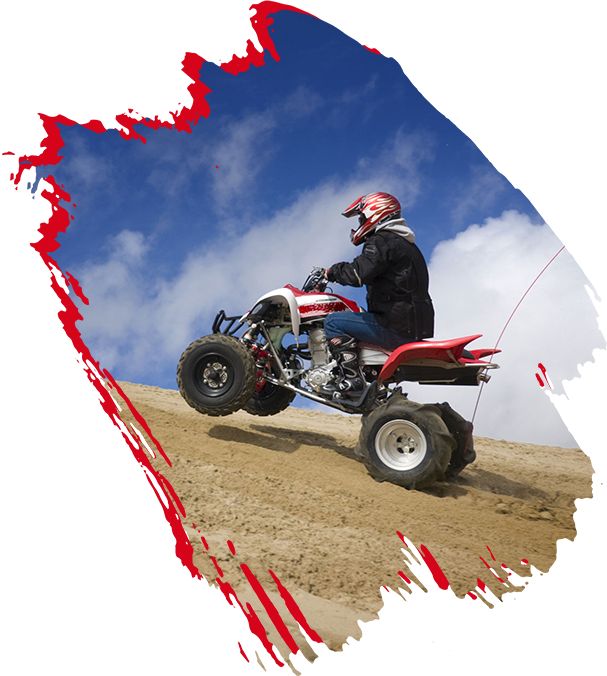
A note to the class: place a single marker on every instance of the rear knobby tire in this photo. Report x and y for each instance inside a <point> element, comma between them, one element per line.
<point>461,429</point>
<point>270,400</point>
<point>406,443</point>
<point>216,375</point>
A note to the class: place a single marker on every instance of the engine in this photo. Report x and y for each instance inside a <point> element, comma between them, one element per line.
<point>321,372</point>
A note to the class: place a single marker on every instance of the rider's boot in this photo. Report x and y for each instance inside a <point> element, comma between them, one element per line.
<point>344,349</point>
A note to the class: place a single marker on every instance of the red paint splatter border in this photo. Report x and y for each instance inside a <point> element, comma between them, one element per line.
<point>103,381</point>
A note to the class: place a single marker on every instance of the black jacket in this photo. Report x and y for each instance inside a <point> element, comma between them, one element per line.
<point>396,276</point>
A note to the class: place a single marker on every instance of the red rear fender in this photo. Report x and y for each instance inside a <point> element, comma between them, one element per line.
<point>479,354</point>
<point>449,351</point>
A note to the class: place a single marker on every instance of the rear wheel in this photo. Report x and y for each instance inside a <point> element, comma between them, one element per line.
<point>216,375</point>
<point>406,443</point>
<point>269,399</point>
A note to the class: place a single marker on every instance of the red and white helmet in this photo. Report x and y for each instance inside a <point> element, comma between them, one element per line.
<point>371,209</point>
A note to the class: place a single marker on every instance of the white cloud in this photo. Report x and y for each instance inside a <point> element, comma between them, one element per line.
<point>152,320</point>
<point>477,278</point>
<point>479,192</point>
<point>396,167</point>
<point>138,322</point>
<point>240,155</point>
<point>82,170</point>
<point>301,102</point>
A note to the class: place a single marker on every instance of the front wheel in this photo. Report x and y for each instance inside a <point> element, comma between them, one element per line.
<point>406,443</point>
<point>216,375</point>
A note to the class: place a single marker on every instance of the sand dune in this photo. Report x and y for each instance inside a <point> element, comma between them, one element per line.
<point>291,496</point>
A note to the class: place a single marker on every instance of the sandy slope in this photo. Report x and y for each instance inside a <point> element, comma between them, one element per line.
<point>288,492</point>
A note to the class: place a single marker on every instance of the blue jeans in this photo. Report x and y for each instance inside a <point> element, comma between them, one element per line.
<point>364,327</point>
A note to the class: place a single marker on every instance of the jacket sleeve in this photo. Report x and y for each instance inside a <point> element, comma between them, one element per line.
<point>364,268</point>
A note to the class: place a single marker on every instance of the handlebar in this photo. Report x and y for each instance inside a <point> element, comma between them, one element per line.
<point>315,281</point>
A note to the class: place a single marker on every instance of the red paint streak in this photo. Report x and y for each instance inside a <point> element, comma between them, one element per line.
<point>270,608</point>
<point>372,50</point>
<point>480,584</point>
<point>258,629</point>
<point>129,123</point>
<point>51,144</point>
<point>542,368</point>
<point>524,562</point>
<point>183,121</point>
<point>255,624</point>
<point>242,652</point>
<point>491,569</point>
<point>8,152</point>
<point>294,609</point>
<point>472,595</point>
<point>96,126</point>
<point>57,223</point>
<point>402,538</point>
<point>261,23</point>
<point>217,566</point>
<point>437,573</point>
<point>101,379</point>
<point>404,577</point>
<point>192,64</point>
<point>231,547</point>
<point>73,282</point>
<point>490,552</point>
<point>138,417</point>
<point>239,64</point>
<point>68,317</point>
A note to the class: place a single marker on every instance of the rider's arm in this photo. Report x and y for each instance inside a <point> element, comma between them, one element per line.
<point>364,268</point>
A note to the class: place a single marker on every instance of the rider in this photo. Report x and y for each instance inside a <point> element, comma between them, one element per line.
<point>396,276</point>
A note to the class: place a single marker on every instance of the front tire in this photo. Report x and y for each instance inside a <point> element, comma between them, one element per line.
<point>216,375</point>
<point>406,443</point>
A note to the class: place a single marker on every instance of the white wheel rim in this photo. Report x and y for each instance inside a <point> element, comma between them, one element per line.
<point>400,445</point>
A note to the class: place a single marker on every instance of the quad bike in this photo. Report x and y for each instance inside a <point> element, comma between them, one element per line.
<point>258,362</point>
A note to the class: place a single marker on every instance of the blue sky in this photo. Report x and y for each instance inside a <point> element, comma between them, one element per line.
<point>327,108</point>
<point>167,232</point>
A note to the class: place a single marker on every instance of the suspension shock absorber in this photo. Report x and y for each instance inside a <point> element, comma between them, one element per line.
<point>317,342</point>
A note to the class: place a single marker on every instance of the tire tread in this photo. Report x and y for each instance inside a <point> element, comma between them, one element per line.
<point>441,441</point>
<point>249,375</point>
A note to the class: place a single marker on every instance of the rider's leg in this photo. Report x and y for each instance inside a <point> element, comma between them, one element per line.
<point>344,330</point>
<point>364,327</point>
<point>345,350</point>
